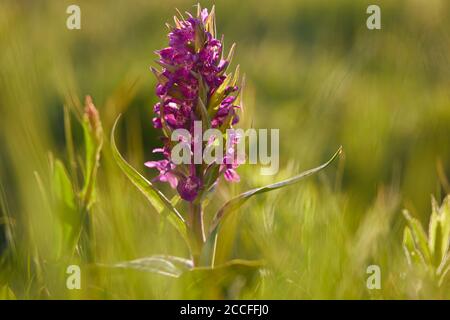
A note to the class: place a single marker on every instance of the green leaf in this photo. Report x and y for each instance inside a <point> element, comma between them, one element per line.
<point>239,200</point>
<point>230,56</point>
<point>62,185</point>
<point>156,198</point>
<point>201,108</point>
<point>224,239</point>
<point>199,37</point>
<point>166,212</point>
<point>235,78</point>
<point>439,231</point>
<point>67,203</point>
<point>223,233</point>
<point>433,226</point>
<point>419,236</point>
<point>435,235</point>
<point>412,254</point>
<point>222,280</point>
<point>165,265</point>
<point>218,95</point>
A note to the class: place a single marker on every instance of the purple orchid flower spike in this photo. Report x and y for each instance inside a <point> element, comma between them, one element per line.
<point>194,75</point>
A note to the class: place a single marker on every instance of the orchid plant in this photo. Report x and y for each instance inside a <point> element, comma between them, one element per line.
<point>194,84</point>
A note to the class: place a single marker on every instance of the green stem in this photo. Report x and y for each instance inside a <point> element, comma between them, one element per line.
<point>197,231</point>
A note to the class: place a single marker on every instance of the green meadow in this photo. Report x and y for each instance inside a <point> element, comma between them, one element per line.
<point>312,69</point>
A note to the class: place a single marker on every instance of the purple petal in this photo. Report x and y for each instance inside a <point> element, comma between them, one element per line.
<point>204,14</point>
<point>157,123</point>
<point>231,175</point>
<point>170,178</point>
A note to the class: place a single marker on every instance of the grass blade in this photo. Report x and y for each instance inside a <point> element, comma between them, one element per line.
<point>419,236</point>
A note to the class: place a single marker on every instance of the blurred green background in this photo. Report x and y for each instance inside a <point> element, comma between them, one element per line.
<point>313,70</point>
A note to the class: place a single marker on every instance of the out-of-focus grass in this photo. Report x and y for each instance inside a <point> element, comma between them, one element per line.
<point>313,70</point>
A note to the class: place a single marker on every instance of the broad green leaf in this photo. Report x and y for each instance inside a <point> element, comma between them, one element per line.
<point>62,186</point>
<point>239,200</point>
<point>419,236</point>
<point>220,280</point>
<point>156,198</point>
<point>165,265</point>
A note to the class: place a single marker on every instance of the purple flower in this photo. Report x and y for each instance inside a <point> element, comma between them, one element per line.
<point>193,74</point>
<point>165,168</point>
<point>226,110</point>
<point>189,187</point>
